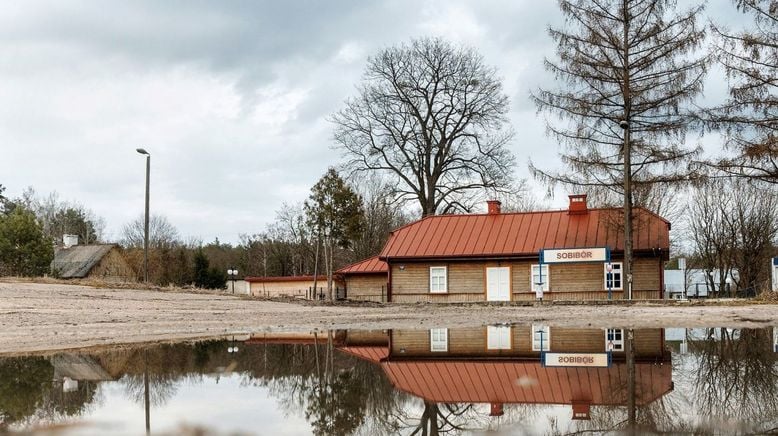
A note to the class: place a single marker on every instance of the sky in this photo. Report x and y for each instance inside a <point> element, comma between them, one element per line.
<point>232,98</point>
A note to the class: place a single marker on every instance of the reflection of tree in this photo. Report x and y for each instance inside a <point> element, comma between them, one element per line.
<point>735,375</point>
<point>338,393</point>
<point>29,393</point>
<point>24,382</point>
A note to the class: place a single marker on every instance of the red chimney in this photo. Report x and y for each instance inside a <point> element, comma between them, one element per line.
<point>496,410</point>
<point>577,204</point>
<point>581,410</point>
<point>494,207</point>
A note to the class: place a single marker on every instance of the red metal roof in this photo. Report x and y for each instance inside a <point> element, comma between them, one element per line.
<point>370,353</point>
<point>284,279</point>
<point>526,382</point>
<point>524,233</point>
<point>371,265</point>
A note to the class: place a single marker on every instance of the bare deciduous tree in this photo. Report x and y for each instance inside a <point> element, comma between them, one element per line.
<point>162,233</point>
<point>734,225</point>
<point>432,117</point>
<point>630,71</point>
<point>749,118</point>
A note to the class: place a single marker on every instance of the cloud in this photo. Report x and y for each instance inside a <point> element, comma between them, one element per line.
<point>231,98</point>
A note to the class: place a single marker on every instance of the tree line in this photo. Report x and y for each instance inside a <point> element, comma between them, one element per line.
<point>427,133</point>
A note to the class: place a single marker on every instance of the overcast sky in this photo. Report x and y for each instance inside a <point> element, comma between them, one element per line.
<point>231,98</point>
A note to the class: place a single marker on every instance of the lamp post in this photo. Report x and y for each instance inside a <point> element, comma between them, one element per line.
<point>233,275</point>
<point>146,218</point>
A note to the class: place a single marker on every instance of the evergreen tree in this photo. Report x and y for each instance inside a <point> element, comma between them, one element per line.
<point>24,250</point>
<point>334,212</point>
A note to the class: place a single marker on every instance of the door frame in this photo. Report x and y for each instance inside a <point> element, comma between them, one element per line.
<point>510,281</point>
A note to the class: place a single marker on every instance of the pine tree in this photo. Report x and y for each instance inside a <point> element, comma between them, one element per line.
<point>24,249</point>
<point>334,213</point>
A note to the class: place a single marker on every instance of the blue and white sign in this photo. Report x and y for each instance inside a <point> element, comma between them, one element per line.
<point>575,255</point>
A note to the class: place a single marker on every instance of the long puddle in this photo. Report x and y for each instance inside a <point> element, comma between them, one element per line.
<point>506,379</point>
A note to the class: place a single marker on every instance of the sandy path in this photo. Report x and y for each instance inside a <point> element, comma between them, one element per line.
<point>45,317</point>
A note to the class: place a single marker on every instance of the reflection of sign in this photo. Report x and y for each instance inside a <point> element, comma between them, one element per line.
<point>775,339</point>
<point>570,255</point>
<point>593,360</point>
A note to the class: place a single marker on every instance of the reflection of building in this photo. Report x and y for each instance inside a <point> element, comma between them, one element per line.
<point>70,369</point>
<point>501,365</point>
<point>494,256</point>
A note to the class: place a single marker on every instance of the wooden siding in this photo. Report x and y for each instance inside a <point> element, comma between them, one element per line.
<point>473,343</point>
<point>466,281</point>
<point>113,267</point>
<point>286,289</point>
<point>366,287</point>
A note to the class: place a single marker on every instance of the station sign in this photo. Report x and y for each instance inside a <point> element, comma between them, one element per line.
<point>588,360</point>
<point>574,255</point>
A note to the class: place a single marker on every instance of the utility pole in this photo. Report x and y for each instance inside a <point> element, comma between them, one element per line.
<point>146,218</point>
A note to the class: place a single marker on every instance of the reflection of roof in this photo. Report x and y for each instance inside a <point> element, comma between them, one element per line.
<point>79,367</point>
<point>525,382</point>
<point>515,234</point>
<point>78,260</point>
<point>285,279</point>
<point>371,265</point>
<point>369,353</point>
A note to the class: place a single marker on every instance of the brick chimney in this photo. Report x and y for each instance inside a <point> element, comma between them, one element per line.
<point>577,204</point>
<point>493,206</point>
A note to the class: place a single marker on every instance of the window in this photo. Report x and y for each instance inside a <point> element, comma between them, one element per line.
<point>439,340</point>
<point>535,278</point>
<point>438,283</point>
<point>498,337</point>
<point>614,340</point>
<point>613,278</point>
<point>541,337</point>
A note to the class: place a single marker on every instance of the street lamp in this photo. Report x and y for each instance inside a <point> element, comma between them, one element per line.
<point>233,275</point>
<point>146,219</point>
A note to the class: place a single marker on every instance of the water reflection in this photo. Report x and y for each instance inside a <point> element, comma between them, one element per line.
<point>421,382</point>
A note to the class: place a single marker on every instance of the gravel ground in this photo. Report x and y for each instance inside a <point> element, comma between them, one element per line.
<point>36,317</point>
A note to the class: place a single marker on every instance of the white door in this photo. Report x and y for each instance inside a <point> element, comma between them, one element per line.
<point>498,284</point>
<point>498,337</point>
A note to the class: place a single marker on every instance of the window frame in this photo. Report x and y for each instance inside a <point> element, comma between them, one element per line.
<point>619,342</point>
<point>546,276</point>
<point>499,331</point>
<point>444,277</point>
<point>546,338</point>
<point>620,273</point>
<point>435,345</point>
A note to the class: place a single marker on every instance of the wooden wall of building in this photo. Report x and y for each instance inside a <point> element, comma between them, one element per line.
<point>366,287</point>
<point>113,267</point>
<point>472,342</point>
<point>467,281</point>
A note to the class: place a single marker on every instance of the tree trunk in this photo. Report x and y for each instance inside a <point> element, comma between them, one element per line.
<point>627,161</point>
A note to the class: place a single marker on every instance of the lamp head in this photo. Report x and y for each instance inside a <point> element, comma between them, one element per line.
<point>142,151</point>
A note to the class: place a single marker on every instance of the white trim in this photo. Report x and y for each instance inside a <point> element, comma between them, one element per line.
<point>439,344</point>
<point>546,337</point>
<point>618,344</point>
<point>546,277</point>
<point>498,337</point>
<point>445,280</point>
<point>620,272</point>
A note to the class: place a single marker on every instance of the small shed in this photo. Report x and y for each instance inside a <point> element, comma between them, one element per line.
<point>289,286</point>
<point>366,280</point>
<point>94,261</point>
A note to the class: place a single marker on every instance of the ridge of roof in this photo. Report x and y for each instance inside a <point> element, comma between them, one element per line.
<point>376,257</point>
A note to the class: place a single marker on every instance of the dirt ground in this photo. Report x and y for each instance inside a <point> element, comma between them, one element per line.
<point>37,317</point>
